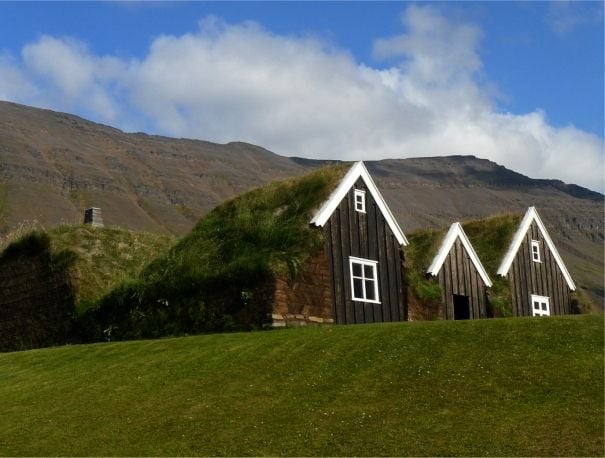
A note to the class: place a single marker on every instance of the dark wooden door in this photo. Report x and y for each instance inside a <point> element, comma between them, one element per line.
<point>462,310</point>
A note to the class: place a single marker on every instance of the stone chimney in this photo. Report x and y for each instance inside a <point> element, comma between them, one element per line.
<point>93,217</point>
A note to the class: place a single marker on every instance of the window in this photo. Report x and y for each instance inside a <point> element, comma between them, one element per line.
<point>535,251</point>
<point>360,200</point>
<point>540,305</point>
<point>364,280</point>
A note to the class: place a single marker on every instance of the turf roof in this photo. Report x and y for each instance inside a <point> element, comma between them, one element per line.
<point>265,229</point>
<point>212,274</point>
<point>490,237</point>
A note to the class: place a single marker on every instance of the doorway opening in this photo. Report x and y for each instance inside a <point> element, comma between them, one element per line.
<point>462,309</point>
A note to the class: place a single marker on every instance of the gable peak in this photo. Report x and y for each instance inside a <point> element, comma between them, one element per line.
<point>457,232</point>
<point>532,215</point>
<point>358,170</point>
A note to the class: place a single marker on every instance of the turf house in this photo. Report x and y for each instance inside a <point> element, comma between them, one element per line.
<point>462,277</point>
<point>540,284</point>
<point>362,256</point>
<point>321,248</point>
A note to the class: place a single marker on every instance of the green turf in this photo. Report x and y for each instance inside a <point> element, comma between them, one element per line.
<point>419,255</point>
<point>266,229</point>
<point>102,257</point>
<point>517,386</point>
<point>105,257</point>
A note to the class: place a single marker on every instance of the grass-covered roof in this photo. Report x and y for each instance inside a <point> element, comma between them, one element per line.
<point>266,229</point>
<point>212,272</point>
<point>99,258</point>
<point>490,238</point>
<point>105,257</point>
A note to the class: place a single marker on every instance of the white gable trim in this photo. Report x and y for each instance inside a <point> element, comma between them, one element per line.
<point>358,170</point>
<point>507,261</point>
<point>455,232</point>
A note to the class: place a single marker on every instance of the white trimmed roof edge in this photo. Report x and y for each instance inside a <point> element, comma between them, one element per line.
<point>456,231</point>
<point>532,215</point>
<point>358,170</point>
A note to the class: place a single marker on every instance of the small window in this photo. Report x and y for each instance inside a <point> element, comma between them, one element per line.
<point>364,280</point>
<point>535,251</point>
<point>360,200</point>
<point>540,305</point>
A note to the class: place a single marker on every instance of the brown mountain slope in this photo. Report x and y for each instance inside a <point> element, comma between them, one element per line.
<point>53,165</point>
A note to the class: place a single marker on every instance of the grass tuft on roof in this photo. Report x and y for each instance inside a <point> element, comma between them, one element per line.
<point>420,252</point>
<point>491,238</point>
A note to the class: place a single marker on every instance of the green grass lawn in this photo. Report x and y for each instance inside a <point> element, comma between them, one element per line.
<point>516,386</point>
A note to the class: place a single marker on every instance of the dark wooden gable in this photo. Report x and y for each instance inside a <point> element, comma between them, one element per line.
<point>540,278</point>
<point>459,276</point>
<point>368,236</point>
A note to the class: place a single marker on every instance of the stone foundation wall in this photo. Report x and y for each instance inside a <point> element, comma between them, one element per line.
<point>296,320</point>
<point>305,300</point>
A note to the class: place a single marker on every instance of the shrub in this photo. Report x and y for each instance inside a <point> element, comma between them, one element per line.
<point>580,303</point>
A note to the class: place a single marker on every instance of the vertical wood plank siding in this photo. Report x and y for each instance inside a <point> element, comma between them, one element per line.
<point>368,236</point>
<point>540,278</point>
<point>458,275</point>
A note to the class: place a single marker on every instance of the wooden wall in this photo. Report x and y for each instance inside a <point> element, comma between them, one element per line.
<point>542,278</point>
<point>364,235</point>
<point>458,275</point>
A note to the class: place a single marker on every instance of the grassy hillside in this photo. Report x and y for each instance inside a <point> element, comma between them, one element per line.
<point>489,387</point>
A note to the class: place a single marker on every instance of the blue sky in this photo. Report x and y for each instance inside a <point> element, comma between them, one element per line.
<point>519,83</point>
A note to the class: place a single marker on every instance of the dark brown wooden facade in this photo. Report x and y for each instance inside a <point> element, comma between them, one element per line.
<point>367,236</point>
<point>461,284</point>
<point>542,278</point>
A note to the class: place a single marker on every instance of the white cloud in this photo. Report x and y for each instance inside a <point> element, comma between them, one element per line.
<point>300,96</point>
<point>14,85</point>
<point>438,51</point>
<point>69,77</point>
<point>565,16</point>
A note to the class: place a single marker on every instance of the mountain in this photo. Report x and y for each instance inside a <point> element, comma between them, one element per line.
<point>53,165</point>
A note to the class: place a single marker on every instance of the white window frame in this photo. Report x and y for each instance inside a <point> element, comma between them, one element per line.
<point>359,196</point>
<point>535,255</point>
<point>540,300</point>
<point>363,278</point>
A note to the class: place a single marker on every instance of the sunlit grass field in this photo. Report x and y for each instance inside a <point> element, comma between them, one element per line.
<point>516,386</point>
